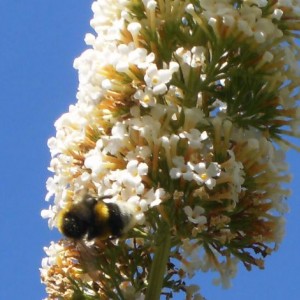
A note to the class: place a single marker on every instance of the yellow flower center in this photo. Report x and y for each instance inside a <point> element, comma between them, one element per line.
<point>204,176</point>
<point>155,80</point>
<point>146,99</point>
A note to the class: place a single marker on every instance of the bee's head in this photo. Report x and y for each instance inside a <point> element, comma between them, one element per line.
<point>72,226</point>
<point>74,221</point>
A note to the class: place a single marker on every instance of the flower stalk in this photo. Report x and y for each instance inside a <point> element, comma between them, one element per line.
<point>159,264</point>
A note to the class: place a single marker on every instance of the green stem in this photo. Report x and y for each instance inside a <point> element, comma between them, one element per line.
<point>159,263</point>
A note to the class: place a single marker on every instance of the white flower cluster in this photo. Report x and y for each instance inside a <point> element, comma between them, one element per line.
<point>152,117</point>
<point>197,172</point>
<point>52,257</point>
<point>249,19</point>
<point>115,164</point>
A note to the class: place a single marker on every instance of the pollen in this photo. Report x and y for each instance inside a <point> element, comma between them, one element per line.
<point>204,176</point>
<point>154,80</point>
<point>146,99</point>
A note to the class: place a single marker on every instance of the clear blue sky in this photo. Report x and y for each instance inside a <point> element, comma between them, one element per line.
<point>39,41</point>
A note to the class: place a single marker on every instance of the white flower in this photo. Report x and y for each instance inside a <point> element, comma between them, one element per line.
<point>50,214</point>
<point>190,8</point>
<point>191,292</point>
<point>122,63</point>
<point>227,270</point>
<point>134,28</point>
<point>148,126</point>
<point>192,58</point>
<point>263,29</point>
<point>52,252</point>
<point>277,14</point>
<point>137,169</point>
<point>141,207</point>
<point>197,172</point>
<point>198,57</point>
<point>195,137</point>
<point>150,4</point>
<point>195,215</point>
<point>203,175</point>
<point>95,161</point>
<point>118,138</point>
<point>157,79</point>
<point>154,198</point>
<point>191,261</point>
<point>141,58</point>
<point>142,152</point>
<point>131,177</point>
<point>51,185</point>
<point>145,97</point>
<point>88,65</point>
<point>106,21</point>
<point>180,167</point>
<point>90,39</point>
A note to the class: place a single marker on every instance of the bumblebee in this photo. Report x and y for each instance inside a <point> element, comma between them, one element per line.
<point>93,218</point>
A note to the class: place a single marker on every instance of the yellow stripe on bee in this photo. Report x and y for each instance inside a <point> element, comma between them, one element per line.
<point>60,219</point>
<point>101,211</point>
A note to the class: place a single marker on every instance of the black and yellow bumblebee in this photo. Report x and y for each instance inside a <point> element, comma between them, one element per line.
<point>93,218</point>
